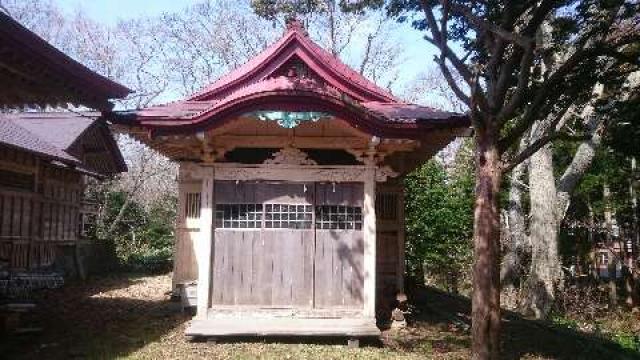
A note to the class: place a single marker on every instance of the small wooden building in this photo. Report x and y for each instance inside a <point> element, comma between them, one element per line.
<point>45,157</point>
<point>290,199</point>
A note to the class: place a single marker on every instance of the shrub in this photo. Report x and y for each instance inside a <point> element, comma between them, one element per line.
<point>150,260</point>
<point>439,221</point>
<point>141,235</point>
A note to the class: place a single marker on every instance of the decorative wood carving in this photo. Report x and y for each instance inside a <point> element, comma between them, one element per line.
<point>285,172</point>
<point>291,174</point>
<point>290,156</point>
<point>385,172</point>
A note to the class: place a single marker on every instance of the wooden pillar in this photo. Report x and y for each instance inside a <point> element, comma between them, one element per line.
<point>369,225</point>
<point>180,223</point>
<point>205,239</point>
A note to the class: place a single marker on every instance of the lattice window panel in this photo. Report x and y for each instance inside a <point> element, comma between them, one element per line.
<point>286,216</point>
<point>387,206</point>
<point>192,205</point>
<point>239,216</point>
<point>338,217</point>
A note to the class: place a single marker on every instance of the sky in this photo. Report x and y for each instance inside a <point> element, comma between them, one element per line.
<point>110,11</point>
<point>417,58</point>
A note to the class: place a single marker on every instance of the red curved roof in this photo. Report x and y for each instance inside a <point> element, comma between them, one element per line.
<point>294,74</point>
<point>296,43</point>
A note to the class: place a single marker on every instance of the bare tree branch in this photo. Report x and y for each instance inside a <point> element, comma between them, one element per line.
<point>486,26</point>
<point>539,144</point>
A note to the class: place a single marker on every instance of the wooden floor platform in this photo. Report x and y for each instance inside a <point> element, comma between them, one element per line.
<point>279,326</point>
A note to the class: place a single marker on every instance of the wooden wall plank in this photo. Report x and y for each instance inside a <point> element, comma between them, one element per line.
<point>5,226</point>
<point>236,253</point>
<point>263,269</point>
<point>229,275</point>
<point>322,280</point>
<point>218,273</point>
<point>16,212</point>
<point>244,260</point>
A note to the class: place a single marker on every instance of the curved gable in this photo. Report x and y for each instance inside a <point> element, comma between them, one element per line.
<point>276,60</point>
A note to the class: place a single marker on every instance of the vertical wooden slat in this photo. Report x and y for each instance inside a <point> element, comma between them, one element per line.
<point>276,269</point>
<point>235,254</point>
<point>53,220</point>
<point>337,259</point>
<point>16,211</point>
<point>264,270</point>
<point>5,226</point>
<point>246,266</point>
<point>323,260</point>
<point>62,209</point>
<point>41,219</point>
<point>217,282</point>
<point>25,217</point>
<point>66,231</point>
<point>230,241</point>
<point>357,279</point>
<point>46,220</point>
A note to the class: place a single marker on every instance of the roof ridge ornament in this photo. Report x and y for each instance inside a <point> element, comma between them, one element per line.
<point>295,25</point>
<point>290,156</point>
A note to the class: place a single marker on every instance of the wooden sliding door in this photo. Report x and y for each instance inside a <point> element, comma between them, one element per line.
<point>339,253</point>
<point>263,244</point>
<point>288,245</point>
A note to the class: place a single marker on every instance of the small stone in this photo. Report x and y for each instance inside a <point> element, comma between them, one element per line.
<point>397,315</point>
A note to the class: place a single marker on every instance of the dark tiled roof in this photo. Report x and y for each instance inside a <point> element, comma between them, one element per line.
<point>410,113</point>
<point>52,135</point>
<point>60,129</point>
<point>14,135</point>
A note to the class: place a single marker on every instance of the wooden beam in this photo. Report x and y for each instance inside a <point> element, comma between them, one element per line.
<point>248,325</point>
<point>276,141</point>
<point>309,173</point>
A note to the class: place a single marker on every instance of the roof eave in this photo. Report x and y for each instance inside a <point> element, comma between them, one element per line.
<point>102,86</point>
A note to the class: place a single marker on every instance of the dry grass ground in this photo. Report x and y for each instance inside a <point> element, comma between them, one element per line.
<point>130,317</point>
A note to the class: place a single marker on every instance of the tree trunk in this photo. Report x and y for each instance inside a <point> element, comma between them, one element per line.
<point>579,165</point>
<point>114,224</point>
<point>614,258</point>
<point>485,329</point>
<point>635,238</point>
<point>511,269</point>
<point>613,287</point>
<point>629,286</point>
<point>591,236</point>
<point>546,272</point>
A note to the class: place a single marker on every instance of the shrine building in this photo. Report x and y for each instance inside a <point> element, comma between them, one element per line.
<point>290,191</point>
